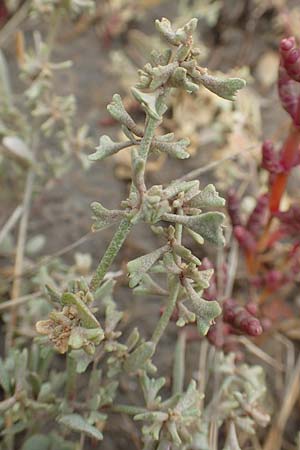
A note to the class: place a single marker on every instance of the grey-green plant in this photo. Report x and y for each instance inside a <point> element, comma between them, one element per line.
<point>85,323</point>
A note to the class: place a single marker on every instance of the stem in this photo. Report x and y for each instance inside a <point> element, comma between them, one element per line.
<point>125,225</point>
<point>128,409</point>
<point>288,157</point>
<point>165,318</point>
<point>54,25</point>
<point>10,223</point>
<point>147,139</point>
<point>179,364</point>
<point>19,261</point>
<point>111,252</point>
<point>71,378</point>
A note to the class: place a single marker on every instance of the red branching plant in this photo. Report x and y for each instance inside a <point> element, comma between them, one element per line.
<point>272,266</point>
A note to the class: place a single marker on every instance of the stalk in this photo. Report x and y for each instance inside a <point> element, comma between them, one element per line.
<point>166,316</point>
<point>71,378</point>
<point>126,224</point>
<point>111,252</point>
<point>289,153</point>
<point>174,286</point>
<point>179,364</point>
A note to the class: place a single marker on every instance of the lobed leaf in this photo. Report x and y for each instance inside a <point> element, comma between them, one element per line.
<point>78,423</point>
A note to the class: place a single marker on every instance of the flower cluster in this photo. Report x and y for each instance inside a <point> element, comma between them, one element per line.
<point>75,326</point>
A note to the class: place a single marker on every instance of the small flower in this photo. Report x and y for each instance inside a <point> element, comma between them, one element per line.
<point>58,327</point>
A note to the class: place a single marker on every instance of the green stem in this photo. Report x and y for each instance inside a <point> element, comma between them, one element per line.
<point>125,225</point>
<point>165,318</point>
<point>128,409</point>
<point>71,378</point>
<point>174,286</point>
<point>147,139</point>
<point>111,252</point>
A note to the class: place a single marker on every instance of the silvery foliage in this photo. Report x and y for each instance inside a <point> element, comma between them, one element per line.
<point>85,320</point>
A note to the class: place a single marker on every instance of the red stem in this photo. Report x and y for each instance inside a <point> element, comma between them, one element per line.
<point>288,157</point>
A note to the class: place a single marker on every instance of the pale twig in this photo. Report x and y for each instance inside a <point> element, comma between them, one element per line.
<point>10,223</point>
<point>290,397</point>
<point>18,301</point>
<point>16,287</point>
<point>213,435</point>
<point>232,267</point>
<point>202,369</point>
<point>289,352</point>
<point>14,23</point>
<point>260,353</point>
<point>195,173</point>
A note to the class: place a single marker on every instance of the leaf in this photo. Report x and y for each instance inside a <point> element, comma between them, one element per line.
<point>180,36</point>
<point>225,88</point>
<point>132,339</point>
<point>165,29</point>
<point>174,149</point>
<point>78,423</point>
<point>180,79</point>
<point>148,286</point>
<point>4,377</point>
<point>176,187</point>
<point>161,74</point>
<point>197,238</point>
<point>205,311</point>
<point>105,290</point>
<point>82,359</point>
<point>188,398</point>
<point>21,360</point>
<point>161,58</point>
<point>186,254</point>
<point>148,100</point>
<point>117,110</point>
<point>208,225</point>
<point>155,416</point>
<point>139,266</point>
<point>105,217</point>
<point>80,336</point>
<point>207,198</point>
<point>203,277</point>
<point>139,357</point>
<point>107,147</point>
<point>185,315</point>
<point>87,317</point>
<point>37,442</point>
<point>151,387</point>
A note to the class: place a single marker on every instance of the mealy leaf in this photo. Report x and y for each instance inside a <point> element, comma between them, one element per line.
<point>207,198</point>
<point>226,88</point>
<point>78,423</point>
<point>107,147</point>
<point>87,317</point>
<point>139,357</point>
